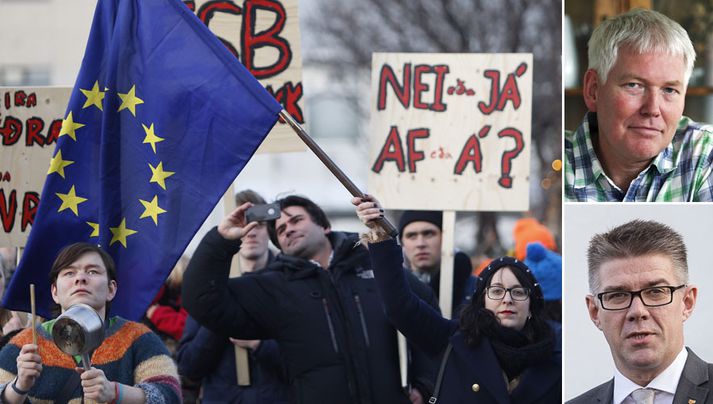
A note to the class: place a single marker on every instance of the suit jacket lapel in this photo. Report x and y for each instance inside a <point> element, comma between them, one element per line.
<point>693,386</point>
<point>606,393</point>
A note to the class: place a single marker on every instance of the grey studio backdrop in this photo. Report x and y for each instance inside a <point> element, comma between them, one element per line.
<point>588,361</point>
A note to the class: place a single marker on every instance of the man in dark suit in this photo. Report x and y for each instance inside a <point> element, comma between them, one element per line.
<point>640,298</point>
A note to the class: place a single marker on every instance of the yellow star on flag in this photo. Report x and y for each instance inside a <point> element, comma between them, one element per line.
<point>69,126</point>
<point>120,233</point>
<point>151,209</point>
<point>94,97</point>
<point>158,175</point>
<point>130,101</point>
<point>95,229</point>
<point>70,200</point>
<point>57,165</point>
<point>151,137</point>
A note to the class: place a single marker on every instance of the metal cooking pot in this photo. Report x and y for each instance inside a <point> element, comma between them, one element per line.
<point>78,331</point>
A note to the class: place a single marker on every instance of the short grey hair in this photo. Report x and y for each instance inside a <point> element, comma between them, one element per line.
<point>634,239</point>
<point>642,31</point>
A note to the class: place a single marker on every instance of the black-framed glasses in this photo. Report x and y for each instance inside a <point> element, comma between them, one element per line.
<point>498,293</point>
<point>652,297</point>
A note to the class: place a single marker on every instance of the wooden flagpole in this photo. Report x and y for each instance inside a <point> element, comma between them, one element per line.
<point>348,184</point>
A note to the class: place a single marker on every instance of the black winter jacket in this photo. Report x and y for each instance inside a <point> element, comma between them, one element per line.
<point>210,358</point>
<point>334,338</point>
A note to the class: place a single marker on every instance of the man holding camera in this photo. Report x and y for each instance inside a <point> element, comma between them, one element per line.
<point>318,300</point>
<point>209,357</point>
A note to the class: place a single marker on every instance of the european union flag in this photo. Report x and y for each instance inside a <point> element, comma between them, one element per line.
<point>161,120</point>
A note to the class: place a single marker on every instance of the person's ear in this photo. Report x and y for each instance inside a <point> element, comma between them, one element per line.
<point>53,289</point>
<point>112,290</point>
<point>590,89</point>
<point>593,310</point>
<point>689,301</point>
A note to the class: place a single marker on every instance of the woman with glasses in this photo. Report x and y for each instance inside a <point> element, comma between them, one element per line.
<point>501,350</point>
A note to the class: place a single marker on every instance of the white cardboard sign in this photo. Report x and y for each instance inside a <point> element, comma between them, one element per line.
<point>451,131</point>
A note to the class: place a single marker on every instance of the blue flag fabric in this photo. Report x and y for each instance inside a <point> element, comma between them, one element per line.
<point>161,120</point>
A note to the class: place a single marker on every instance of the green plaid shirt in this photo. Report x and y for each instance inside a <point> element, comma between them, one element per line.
<point>680,173</point>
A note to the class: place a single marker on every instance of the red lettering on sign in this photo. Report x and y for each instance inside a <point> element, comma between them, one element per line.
<point>34,127</point>
<point>471,153</point>
<point>20,97</point>
<point>419,86</point>
<point>415,155</point>
<point>54,130</point>
<point>31,100</point>
<point>391,151</point>
<point>494,76</point>
<point>505,180</point>
<point>29,209</point>
<point>510,91</point>
<point>11,130</point>
<point>402,91</point>
<point>210,8</point>
<point>441,71</point>
<point>8,207</point>
<point>288,95</point>
<point>190,4</point>
<point>441,154</point>
<point>461,89</point>
<point>252,40</point>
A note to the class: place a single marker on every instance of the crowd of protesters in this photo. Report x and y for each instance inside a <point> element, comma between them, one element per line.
<point>318,317</point>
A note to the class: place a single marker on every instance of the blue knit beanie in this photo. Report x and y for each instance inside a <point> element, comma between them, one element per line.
<point>546,265</point>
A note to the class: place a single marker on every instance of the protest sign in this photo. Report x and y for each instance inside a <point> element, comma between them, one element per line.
<point>265,36</point>
<point>451,131</point>
<point>30,121</point>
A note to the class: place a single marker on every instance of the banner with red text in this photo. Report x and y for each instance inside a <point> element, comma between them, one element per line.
<point>265,36</point>
<point>30,121</point>
<point>451,131</point>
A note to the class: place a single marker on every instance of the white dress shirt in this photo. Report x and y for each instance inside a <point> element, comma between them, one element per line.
<point>665,383</point>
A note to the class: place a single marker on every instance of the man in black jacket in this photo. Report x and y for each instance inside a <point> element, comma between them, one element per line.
<point>318,300</point>
<point>210,358</point>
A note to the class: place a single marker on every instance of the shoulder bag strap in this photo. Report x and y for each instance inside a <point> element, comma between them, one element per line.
<point>437,388</point>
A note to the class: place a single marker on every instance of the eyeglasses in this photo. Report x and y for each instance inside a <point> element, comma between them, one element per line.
<point>650,297</point>
<point>498,293</point>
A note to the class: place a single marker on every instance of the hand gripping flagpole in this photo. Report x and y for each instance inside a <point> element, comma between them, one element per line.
<point>348,184</point>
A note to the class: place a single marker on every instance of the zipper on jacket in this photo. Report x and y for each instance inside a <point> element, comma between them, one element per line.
<point>329,323</point>
<point>357,300</point>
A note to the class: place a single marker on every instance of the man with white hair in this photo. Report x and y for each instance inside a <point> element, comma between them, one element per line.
<point>634,144</point>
